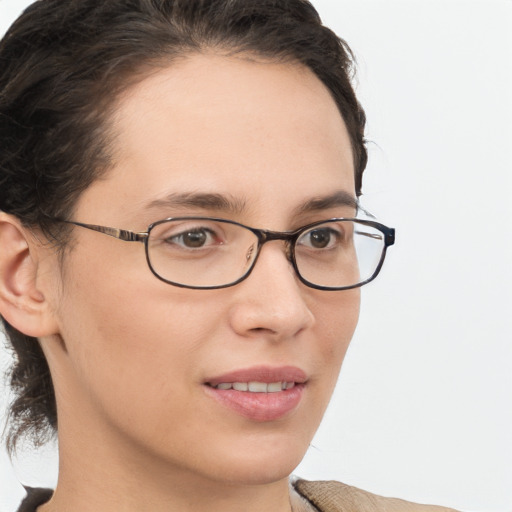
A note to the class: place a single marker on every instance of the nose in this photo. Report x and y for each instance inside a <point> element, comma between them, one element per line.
<point>271,301</point>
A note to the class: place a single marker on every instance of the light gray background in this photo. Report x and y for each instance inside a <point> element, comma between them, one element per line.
<point>423,409</point>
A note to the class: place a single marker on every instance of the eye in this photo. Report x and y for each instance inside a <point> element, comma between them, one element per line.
<point>320,238</point>
<point>188,235</point>
<point>194,238</point>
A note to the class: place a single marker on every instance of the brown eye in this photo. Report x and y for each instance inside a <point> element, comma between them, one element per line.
<point>319,238</point>
<point>193,239</point>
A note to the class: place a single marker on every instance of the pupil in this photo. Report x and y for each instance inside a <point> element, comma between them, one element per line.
<point>320,238</point>
<point>194,238</point>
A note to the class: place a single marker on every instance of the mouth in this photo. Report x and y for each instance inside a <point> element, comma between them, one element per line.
<point>256,387</point>
<point>260,393</point>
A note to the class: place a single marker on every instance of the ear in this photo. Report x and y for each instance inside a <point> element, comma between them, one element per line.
<point>22,296</point>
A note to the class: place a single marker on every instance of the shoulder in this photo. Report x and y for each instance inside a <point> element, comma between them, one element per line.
<point>331,496</point>
<point>35,497</point>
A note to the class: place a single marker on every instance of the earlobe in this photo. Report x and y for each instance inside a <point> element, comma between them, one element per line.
<point>22,303</point>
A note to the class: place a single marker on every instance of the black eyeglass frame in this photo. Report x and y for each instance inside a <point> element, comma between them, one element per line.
<point>263,235</point>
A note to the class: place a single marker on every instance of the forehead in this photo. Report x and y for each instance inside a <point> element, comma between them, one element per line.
<point>258,131</point>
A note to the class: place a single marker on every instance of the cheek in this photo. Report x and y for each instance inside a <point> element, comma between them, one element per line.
<point>338,315</point>
<point>336,319</point>
<point>126,336</point>
<point>137,368</point>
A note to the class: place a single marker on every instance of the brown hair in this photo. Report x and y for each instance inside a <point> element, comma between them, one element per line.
<point>63,63</point>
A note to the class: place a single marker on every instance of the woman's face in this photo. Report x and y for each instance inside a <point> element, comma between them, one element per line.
<point>136,370</point>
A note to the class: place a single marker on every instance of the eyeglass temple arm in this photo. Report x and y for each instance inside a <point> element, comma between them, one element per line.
<point>121,234</point>
<point>389,236</point>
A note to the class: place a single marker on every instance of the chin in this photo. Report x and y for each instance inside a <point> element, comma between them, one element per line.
<point>256,474</point>
<point>259,466</point>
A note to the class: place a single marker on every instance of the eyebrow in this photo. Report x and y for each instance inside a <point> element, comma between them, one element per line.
<point>336,199</point>
<point>228,204</point>
<point>205,201</point>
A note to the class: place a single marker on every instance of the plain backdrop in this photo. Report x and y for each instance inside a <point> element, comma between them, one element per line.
<point>423,409</point>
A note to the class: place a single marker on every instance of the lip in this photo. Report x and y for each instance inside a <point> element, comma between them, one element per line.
<point>259,407</point>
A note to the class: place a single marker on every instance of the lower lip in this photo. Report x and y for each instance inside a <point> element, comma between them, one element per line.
<point>259,406</point>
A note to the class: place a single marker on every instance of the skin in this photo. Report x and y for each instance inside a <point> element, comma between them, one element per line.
<point>129,354</point>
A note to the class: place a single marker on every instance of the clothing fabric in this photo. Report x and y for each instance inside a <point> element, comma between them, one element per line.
<point>305,496</point>
<point>331,496</point>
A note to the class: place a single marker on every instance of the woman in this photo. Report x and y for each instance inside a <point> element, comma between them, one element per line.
<point>189,369</point>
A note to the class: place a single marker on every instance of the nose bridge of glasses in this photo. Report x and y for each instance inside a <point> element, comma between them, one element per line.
<point>288,237</point>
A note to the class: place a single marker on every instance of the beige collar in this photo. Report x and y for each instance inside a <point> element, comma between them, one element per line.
<point>298,502</point>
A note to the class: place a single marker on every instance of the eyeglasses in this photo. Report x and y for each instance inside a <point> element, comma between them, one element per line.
<point>208,253</point>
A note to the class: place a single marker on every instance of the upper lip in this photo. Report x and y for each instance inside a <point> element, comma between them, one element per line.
<point>261,374</point>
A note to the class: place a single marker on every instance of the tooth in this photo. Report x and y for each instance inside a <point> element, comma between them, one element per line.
<point>224,385</point>
<point>290,385</point>
<point>273,387</point>
<point>240,386</point>
<point>258,387</point>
